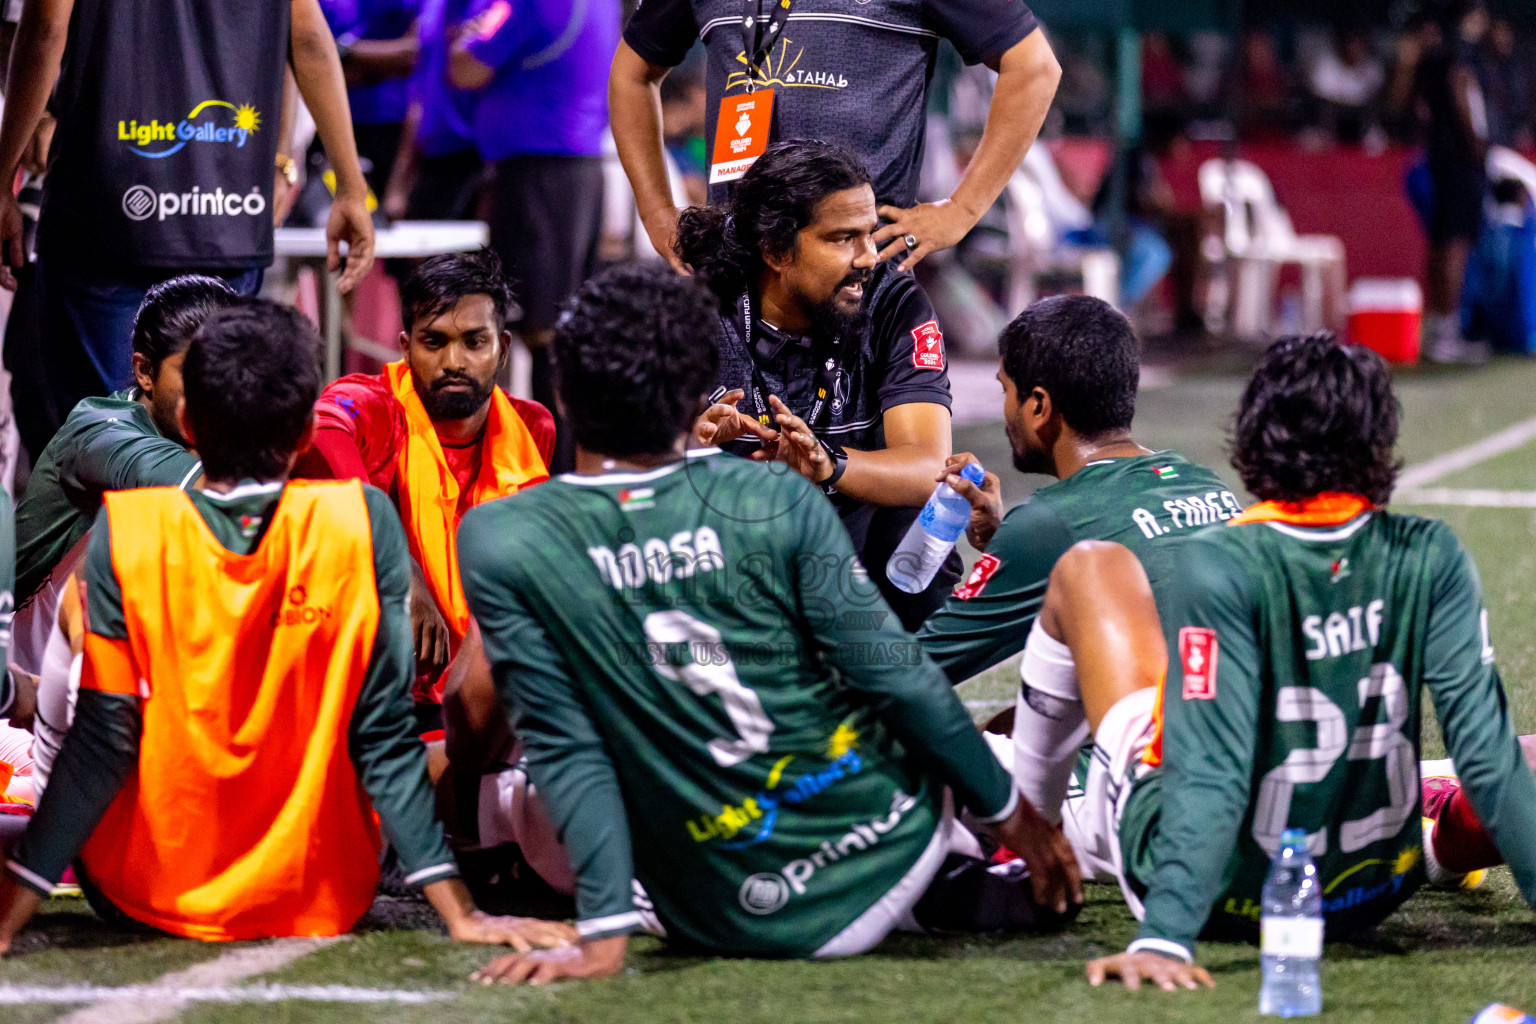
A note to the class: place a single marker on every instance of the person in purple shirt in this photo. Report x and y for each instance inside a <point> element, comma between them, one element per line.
<point>438,171</point>
<point>377,43</point>
<point>542,69</point>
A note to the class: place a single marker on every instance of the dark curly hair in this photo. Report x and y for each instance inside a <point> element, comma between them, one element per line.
<point>1317,417</point>
<point>252,376</point>
<point>172,312</point>
<point>440,282</point>
<point>635,349</point>
<point>1083,353</point>
<point>725,244</point>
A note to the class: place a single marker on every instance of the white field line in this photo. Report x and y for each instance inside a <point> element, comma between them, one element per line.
<point>108,999</point>
<point>162,1000</point>
<point>988,705</point>
<point>1473,498</point>
<point>1461,458</point>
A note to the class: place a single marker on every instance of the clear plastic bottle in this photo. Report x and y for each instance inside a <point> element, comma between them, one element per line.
<point>933,536</point>
<point>1292,932</point>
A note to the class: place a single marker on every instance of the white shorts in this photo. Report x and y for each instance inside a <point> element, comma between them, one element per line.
<point>893,911</point>
<point>36,619</point>
<point>1095,804</point>
<point>510,811</point>
<point>58,686</point>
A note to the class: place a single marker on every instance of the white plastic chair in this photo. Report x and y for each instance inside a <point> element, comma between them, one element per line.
<point>1040,210</point>
<point>1257,240</point>
<point>1507,165</point>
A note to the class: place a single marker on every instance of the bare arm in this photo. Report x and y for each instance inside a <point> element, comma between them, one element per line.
<point>634,108</point>
<point>374,60</point>
<point>918,442</point>
<point>317,69</point>
<point>36,53</point>
<point>1026,82</point>
<point>1462,84</point>
<point>283,193</point>
<point>465,70</point>
<point>402,176</point>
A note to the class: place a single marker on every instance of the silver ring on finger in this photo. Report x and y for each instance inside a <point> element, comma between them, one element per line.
<point>911,241</point>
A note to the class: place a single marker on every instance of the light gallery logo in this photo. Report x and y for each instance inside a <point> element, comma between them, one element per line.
<point>215,121</point>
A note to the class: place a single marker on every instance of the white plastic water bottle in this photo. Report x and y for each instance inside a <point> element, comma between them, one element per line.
<point>933,536</point>
<point>1291,930</point>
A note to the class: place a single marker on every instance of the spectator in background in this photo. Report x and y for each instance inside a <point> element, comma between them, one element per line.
<point>1456,144</point>
<point>377,43</point>
<point>438,172</point>
<point>1506,80</point>
<point>542,70</point>
<point>1162,75</point>
<point>129,199</point>
<point>684,115</point>
<point>1345,83</point>
<point>1266,88</point>
<point>859,77</point>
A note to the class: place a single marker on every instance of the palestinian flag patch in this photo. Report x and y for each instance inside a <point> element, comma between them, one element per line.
<point>1166,472</point>
<point>637,499</point>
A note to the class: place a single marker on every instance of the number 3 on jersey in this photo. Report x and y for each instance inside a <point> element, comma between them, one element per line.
<point>711,673</point>
<point>1382,741</point>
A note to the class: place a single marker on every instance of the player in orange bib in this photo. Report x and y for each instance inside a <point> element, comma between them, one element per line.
<point>244,720</point>
<point>435,433</point>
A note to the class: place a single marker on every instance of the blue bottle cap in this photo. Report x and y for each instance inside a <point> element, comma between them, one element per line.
<point>973,472</point>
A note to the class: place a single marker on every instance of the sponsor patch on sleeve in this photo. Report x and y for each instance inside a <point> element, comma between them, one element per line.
<point>1197,651</point>
<point>981,572</point>
<point>928,346</point>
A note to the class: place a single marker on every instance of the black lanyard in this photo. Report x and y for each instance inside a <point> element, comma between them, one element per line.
<point>827,373</point>
<point>756,47</point>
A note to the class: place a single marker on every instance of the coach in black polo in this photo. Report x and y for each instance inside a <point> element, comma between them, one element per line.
<point>851,71</point>
<point>830,362</point>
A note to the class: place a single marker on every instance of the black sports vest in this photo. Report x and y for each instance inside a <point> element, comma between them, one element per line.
<point>168,121</point>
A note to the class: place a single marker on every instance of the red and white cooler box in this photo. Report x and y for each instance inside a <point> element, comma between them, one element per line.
<point>1385,314</point>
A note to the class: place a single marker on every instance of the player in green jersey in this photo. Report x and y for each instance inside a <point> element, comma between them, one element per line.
<point>1297,640</point>
<point>121,442</point>
<point>667,631</point>
<point>1069,369</point>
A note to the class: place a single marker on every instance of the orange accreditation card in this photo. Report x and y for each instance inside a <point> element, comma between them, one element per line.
<point>741,134</point>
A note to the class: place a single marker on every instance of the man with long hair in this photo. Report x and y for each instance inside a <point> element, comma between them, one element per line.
<point>831,362</point>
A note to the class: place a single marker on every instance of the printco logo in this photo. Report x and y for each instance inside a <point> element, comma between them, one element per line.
<point>141,202</point>
<point>763,894</point>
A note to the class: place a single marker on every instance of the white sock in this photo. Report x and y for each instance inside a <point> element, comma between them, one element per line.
<point>1049,726</point>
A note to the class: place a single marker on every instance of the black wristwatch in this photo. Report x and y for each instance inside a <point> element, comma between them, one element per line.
<point>839,464</point>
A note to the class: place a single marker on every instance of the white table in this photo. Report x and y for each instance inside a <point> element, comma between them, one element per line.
<point>407,239</point>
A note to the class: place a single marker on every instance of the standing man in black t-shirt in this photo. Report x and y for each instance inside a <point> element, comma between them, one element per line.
<point>830,361</point>
<point>1456,147</point>
<point>164,160</point>
<point>828,69</point>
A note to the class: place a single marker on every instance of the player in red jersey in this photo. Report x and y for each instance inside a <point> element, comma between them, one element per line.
<point>435,433</point>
